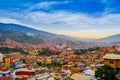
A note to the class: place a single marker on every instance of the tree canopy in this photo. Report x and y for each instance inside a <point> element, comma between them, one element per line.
<point>105,72</point>
<point>82,51</point>
<point>6,50</point>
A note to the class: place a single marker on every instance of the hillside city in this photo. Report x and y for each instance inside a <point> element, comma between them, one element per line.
<point>60,63</point>
<point>31,54</point>
<point>59,39</point>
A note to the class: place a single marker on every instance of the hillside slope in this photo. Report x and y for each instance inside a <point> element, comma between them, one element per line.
<point>111,39</point>
<point>19,37</point>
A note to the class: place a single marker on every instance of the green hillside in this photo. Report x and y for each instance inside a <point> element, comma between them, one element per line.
<point>19,37</point>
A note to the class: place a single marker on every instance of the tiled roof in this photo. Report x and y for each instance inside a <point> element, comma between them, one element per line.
<point>6,78</point>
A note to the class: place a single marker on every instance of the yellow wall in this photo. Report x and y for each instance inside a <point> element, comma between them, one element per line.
<point>7,62</point>
<point>49,61</point>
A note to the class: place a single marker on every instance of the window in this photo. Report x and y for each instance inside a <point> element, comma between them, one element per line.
<point>111,61</point>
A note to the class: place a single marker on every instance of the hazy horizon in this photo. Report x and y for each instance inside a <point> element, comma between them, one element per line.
<point>82,18</point>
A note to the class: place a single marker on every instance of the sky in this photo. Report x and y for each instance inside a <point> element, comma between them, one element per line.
<point>77,18</point>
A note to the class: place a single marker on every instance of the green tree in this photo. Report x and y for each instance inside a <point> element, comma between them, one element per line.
<point>23,60</point>
<point>81,51</point>
<point>45,51</point>
<point>105,72</point>
<point>40,63</point>
<point>93,49</point>
<point>6,50</point>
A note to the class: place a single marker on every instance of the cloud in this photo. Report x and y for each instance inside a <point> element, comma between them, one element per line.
<point>46,5</point>
<point>7,20</point>
<point>42,5</point>
<point>69,23</point>
<point>68,17</point>
<point>72,19</point>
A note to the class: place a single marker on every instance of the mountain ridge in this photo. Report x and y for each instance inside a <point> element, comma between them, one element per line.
<point>111,39</point>
<point>51,37</point>
<point>19,37</point>
<point>23,29</point>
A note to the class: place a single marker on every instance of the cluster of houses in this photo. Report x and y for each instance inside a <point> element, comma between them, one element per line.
<point>16,66</point>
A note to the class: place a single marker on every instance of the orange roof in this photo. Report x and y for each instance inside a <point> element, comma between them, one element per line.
<point>6,78</point>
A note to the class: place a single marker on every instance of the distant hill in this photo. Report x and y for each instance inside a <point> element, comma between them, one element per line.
<point>24,29</point>
<point>35,33</point>
<point>111,39</point>
<point>21,34</point>
<point>19,37</point>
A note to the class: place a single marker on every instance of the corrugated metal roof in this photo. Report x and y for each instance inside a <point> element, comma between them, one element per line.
<point>111,56</point>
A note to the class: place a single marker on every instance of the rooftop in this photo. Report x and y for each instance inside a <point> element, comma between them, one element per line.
<point>111,56</point>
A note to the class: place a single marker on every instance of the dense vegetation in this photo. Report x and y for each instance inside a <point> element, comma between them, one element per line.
<point>6,50</point>
<point>45,51</point>
<point>48,52</point>
<point>53,64</point>
<point>105,72</point>
<point>82,51</point>
<point>19,37</point>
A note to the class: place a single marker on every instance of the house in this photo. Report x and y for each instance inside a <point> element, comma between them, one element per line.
<point>7,61</point>
<point>112,60</point>
<point>1,57</point>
